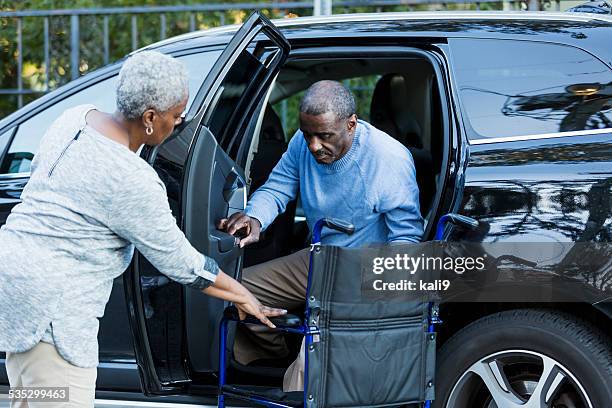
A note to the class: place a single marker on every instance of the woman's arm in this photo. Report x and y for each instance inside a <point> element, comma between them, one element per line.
<point>140,214</point>
<point>229,289</point>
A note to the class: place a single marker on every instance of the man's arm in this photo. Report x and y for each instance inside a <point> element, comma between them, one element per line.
<point>405,223</point>
<point>270,199</point>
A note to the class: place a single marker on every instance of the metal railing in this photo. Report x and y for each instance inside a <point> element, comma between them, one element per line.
<point>75,63</point>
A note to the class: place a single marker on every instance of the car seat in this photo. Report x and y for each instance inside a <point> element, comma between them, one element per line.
<point>276,240</point>
<point>401,107</point>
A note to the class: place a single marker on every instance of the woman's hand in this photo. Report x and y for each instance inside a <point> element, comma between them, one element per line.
<point>227,288</point>
<point>252,306</point>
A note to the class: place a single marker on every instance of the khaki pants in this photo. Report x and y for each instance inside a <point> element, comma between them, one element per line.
<point>277,283</point>
<point>42,366</point>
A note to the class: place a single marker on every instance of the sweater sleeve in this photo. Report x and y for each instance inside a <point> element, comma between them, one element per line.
<point>398,200</point>
<point>140,213</point>
<point>281,187</point>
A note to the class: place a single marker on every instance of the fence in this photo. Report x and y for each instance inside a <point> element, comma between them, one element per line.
<point>43,49</point>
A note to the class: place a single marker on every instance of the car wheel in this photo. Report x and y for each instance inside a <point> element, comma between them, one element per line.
<point>525,358</point>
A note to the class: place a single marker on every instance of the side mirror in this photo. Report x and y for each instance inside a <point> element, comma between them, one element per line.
<point>593,6</point>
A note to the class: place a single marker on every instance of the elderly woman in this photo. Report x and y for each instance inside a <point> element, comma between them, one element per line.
<point>90,200</point>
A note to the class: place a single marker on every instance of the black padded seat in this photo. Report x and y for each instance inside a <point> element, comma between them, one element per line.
<point>271,147</point>
<point>276,240</point>
<point>391,111</point>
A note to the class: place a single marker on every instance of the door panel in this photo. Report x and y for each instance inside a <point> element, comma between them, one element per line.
<point>215,192</point>
<point>211,187</point>
<point>213,182</point>
<point>11,186</point>
<point>10,191</point>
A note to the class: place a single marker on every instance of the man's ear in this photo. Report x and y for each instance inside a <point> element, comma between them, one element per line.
<point>148,118</point>
<point>351,123</point>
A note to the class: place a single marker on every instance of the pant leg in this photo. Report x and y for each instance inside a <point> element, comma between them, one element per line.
<point>42,366</point>
<point>294,376</point>
<point>278,283</point>
<point>13,371</point>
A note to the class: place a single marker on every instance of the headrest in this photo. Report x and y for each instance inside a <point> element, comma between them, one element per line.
<point>271,127</point>
<point>390,110</point>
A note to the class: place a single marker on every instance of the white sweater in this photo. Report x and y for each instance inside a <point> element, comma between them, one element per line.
<point>88,202</point>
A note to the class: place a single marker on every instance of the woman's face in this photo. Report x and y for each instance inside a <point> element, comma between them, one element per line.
<point>165,122</point>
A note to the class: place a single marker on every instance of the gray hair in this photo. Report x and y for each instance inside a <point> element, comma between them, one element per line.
<point>150,80</point>
<point>328,96</point>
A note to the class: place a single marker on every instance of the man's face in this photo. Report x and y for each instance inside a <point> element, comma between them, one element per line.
<point>328,137</point>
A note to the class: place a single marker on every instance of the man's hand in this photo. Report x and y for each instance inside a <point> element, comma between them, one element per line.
<point>246,228</point>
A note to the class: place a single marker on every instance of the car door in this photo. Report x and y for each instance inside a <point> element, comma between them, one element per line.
<point>11,184</point>
<point>175,328</point>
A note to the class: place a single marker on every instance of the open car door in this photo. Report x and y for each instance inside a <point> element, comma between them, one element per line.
<point>175,328</point>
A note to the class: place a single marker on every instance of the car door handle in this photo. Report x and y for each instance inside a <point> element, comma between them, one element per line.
<point>226,242</point>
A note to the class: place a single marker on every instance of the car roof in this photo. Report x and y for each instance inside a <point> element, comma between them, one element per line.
<point>591,32</point>
<point>440,23</point>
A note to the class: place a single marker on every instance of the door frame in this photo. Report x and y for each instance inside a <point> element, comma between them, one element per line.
<point>447,193</point>
<point>150,380</point>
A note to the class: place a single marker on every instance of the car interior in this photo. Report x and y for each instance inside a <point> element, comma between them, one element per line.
<point>397,95</point>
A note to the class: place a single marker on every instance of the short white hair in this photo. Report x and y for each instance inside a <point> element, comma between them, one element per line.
<point>150,80</point>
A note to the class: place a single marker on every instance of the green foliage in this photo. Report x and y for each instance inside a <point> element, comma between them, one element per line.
<point>37,78</point>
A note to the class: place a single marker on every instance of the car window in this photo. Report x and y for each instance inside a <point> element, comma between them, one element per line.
<point>4,139</point>
<point>231,91</point>
<point>516,88</point>
<point>236,91</point>
<point>26,141</point>
<point>198,66</point>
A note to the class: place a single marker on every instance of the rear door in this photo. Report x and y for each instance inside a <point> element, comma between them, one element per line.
<point>175,328</point>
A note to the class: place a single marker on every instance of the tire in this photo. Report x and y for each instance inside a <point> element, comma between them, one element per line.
<point>519,348</point>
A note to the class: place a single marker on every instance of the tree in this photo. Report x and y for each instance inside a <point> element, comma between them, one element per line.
<point>38,79</point>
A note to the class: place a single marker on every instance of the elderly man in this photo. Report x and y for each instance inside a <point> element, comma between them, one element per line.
<point>343,168</point>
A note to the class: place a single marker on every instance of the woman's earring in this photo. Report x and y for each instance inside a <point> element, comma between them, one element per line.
<point>149,131</point>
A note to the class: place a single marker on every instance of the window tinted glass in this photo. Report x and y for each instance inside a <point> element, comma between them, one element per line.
<point>4,138</point>
<point>514,88</point>
<point>232,89</point>
<point>234,94</point>
<point>26,141</point>
<point>198,66</point>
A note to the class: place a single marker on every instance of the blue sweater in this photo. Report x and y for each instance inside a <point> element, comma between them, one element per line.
<point>373,186</point>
